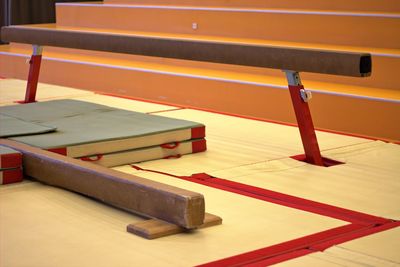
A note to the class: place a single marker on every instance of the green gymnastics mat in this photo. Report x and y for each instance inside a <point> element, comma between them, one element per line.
<point>82,129</point>
<point>10,126</point>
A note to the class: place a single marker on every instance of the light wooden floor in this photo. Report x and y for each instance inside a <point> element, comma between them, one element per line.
<point>45,226</point>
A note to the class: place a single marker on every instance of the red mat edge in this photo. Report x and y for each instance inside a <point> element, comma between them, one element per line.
<point>10,160</point>
<point>11,176</point>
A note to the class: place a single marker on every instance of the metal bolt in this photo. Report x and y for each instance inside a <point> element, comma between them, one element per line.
<point>305,95</point>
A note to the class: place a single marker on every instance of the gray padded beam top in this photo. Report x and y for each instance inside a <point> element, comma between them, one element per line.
<point>266,56</point>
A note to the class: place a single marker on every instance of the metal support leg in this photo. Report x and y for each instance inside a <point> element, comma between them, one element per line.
<point>33,78</point>
<point>300,98</point>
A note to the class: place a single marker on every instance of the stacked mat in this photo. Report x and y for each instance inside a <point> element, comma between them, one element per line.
<point>100,134</point>
<point>10,166</point>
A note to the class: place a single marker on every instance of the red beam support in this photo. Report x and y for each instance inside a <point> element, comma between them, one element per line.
<point>33,78</point>
<point>300,98</point>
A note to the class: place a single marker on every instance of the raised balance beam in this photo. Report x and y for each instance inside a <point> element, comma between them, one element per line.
<point>275,57</point>
<point>289,59</point>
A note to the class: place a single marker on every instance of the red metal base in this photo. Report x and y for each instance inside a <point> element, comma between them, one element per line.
<point>306,126</point>
<point>23,102</point>
<point>326,161</point>
<point>33,78</point>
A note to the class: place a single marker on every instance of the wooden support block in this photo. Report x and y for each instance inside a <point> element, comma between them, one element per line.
<point>132,193</point>
<point>154,228</point>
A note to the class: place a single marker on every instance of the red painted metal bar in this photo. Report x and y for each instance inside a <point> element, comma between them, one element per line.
<point>300,99</point>
<point>33,78</point>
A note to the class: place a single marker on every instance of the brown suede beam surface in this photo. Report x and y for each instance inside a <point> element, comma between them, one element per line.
<point>138,195</point>
<point>285,58</point>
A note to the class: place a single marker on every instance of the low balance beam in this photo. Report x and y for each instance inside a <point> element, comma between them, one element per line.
<point>132,193</point>
<point>285,58</point>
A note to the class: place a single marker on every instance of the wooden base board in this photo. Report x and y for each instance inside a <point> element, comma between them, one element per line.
<point>153,228</point>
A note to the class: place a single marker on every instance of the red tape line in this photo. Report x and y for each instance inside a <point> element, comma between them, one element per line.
<point>361,224</point>
<point>282,248</point>
<point>301,246</point>
<point>279,198</point>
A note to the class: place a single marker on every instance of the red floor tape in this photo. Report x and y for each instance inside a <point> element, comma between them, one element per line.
<point>361,224</point>
<point>301,246</point>
<point>279,198</point>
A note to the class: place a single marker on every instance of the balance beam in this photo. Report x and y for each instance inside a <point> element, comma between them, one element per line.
<point>289,59</point>
<point>128,192</point>
<point>285,58</point>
